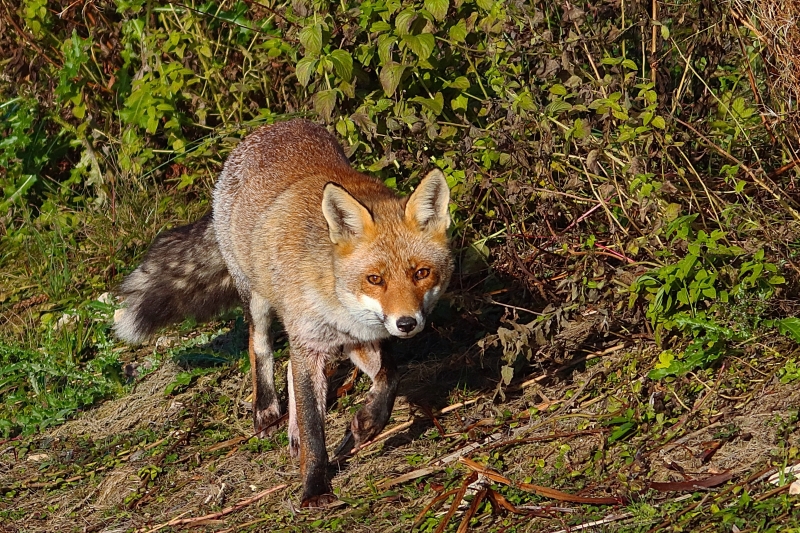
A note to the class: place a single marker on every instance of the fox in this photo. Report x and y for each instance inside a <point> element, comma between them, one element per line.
<point>295,233</point>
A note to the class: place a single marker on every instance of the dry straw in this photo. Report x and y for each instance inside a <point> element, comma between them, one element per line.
<point>776,24</point>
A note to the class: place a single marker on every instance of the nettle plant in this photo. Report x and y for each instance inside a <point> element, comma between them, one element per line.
<point>717,293</point>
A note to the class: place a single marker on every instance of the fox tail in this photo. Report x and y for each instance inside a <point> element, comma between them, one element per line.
<point>183,274</point>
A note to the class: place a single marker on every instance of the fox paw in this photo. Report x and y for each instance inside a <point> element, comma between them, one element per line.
<point>367,424</point>
<point>265,421</point>
<point>318,501</point>
<point>294,446</point>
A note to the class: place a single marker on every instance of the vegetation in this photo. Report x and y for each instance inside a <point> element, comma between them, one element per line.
<point>626,222</point>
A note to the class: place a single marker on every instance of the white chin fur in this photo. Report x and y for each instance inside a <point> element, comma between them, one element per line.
<point>397,333</point>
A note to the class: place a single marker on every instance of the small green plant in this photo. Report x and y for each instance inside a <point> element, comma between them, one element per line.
<point>183,380</point>
<point>624,425</point>
<point>36,16</point>
<point>700,293</point>
<point>44,387</point>
<point>790,371</point>
<point>708,345</point>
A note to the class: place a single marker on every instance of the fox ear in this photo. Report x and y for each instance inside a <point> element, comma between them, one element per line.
<point>428,204</point>
<point>346,216</point>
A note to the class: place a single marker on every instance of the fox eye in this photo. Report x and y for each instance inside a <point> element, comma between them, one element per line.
<point>375,279</point>
<point>422,273</point>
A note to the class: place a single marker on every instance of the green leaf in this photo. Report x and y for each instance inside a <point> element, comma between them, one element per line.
<point>611,61</point>
<point>740,108</point>
<point>790,327</point>
<point>621,432</point>
<point>390,76</point>
<point>342,64</point>
<point>665,359</point>
<point>435,104</point>
<point>558,89</point>
<point>403,21</point>
<point>437,8</point>
<point>181,380</point>
<point>579,129</point>
<point>460,82</point>
<point>459,103</point>
<point>683,296</point>
<point>659,122</point>
<point>304,69</point>
<point>311,39</point>
<point>556,107</point>
<point>380,26</point>
<point>758,268</point>
<point>630,65</point>
<point>620,114</point>
<point>25,183</point>
<point>385,43</point>
<point>152,124</point>
<point>422,45</point>
<point>660,373</point>
<point>680,225</point>
<point>458,32</point>
<point>324,102</point>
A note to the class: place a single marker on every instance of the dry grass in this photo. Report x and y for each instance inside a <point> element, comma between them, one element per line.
<point>776,24</point>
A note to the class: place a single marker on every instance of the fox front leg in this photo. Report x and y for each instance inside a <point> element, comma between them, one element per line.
<point>307,397</point>
<point>373,416</point>
<point>266,409</point>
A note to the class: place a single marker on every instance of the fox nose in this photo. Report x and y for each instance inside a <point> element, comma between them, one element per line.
<point>406,323</point>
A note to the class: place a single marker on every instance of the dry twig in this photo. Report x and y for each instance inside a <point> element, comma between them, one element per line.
<point>178,521</point>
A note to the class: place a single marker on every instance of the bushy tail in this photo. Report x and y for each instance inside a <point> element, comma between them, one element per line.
<point>183,274</point>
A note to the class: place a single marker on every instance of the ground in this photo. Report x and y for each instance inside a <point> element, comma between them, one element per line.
<point>563,432</point>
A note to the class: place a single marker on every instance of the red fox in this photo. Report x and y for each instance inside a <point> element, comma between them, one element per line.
<point>338,257</point>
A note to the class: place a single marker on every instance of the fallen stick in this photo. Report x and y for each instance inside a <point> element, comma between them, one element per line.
<point>213,516</point>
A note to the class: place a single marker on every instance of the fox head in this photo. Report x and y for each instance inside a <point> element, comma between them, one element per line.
<point>392,259</point>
